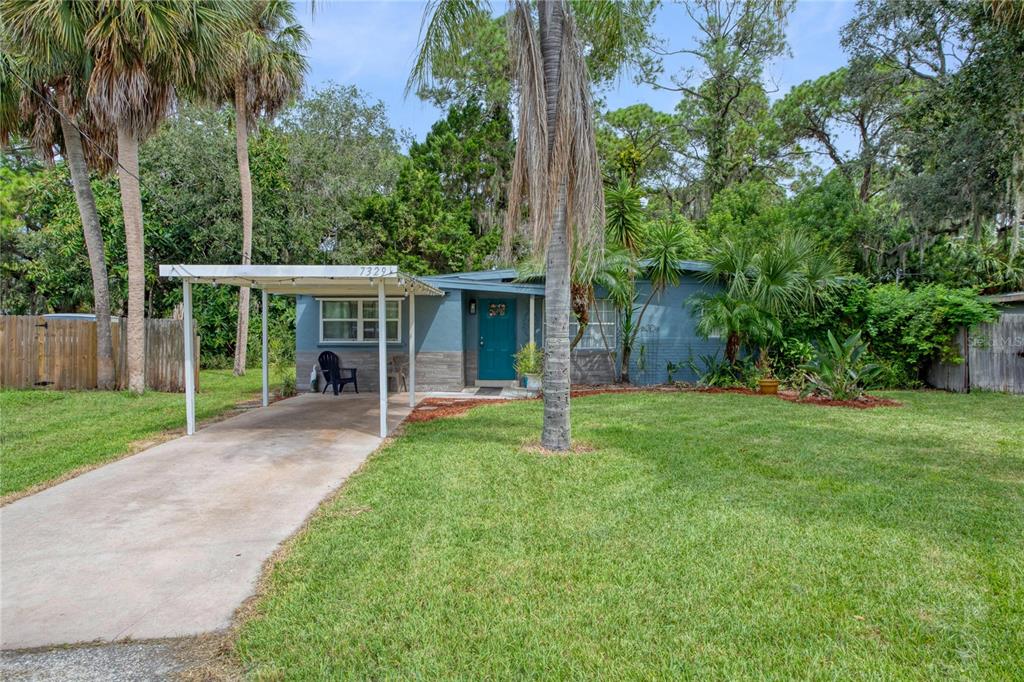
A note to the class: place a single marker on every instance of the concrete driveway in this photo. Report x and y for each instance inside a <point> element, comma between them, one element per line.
<point>170,541</point>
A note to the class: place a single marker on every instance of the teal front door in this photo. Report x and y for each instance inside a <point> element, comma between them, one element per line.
<point>497,338</point>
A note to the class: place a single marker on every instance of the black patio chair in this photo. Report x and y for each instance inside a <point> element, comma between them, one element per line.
<point>334,374</point>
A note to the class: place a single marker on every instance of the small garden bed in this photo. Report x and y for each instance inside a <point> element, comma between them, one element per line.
<point>865,401</point>
<point>435,408</point>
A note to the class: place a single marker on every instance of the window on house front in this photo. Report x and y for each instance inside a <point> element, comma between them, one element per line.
<point>600,333</point>
<point>353,320</point>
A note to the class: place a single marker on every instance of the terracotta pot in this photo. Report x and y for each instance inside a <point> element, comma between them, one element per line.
<point>768,386</point>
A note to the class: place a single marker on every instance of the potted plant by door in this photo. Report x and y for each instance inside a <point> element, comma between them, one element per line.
<point>529,362</point>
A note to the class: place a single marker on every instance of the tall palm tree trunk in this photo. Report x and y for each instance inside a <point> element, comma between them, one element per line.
<point>242,151</point>
<point>131,205</point>
<point>556,434</point>
<point>75,157</point>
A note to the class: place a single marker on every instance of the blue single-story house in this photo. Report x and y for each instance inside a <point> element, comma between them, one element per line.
<point>469,334</point>
<point>450,331</point>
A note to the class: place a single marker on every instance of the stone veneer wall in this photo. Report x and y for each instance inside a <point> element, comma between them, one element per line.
<point>437,371</point>
<point>592,367</point>
<point>471,365</point>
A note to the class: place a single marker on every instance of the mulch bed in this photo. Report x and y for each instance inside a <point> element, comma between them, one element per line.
<point>863,403</point>
<point>436,408</point>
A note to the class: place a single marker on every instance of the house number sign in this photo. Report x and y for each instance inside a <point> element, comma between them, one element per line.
<point>375,270</point>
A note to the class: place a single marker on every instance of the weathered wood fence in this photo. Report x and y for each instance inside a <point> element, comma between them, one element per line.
<point>61,353</point>
<point>993,356</point>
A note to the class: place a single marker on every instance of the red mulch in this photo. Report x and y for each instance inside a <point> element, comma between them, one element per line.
<point>436,408</point>
<point>863,403</point>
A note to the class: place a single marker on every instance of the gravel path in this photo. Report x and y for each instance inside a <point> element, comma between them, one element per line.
<point>136,661</point>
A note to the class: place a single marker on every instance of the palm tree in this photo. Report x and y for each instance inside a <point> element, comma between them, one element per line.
<point>267,68</point>
<point>556,171</point>
<point>760,288</point>
<point>588,274</point>
<point>43,93</point>
<point>140,52</point>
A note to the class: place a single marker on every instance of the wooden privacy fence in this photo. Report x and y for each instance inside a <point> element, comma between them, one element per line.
<point>60,353</point>
<point>993,356</point>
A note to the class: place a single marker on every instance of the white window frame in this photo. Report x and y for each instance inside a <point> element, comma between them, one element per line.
<point>611,328</point>
<point>360,319</point>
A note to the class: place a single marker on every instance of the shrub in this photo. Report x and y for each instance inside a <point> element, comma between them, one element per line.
<point>529,360</point>
<point>840,370</point>
<point>904,328</point>
<point>917,325</point>
<point>716,371</point>
<point>288,388</point>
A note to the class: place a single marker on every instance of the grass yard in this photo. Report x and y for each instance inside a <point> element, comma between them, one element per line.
<point>45,434</point>
<point>706,536</point>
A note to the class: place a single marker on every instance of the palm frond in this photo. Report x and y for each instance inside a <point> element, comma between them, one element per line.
<point>573,158</point>
<point>441,32</point>
<point>530,166</point>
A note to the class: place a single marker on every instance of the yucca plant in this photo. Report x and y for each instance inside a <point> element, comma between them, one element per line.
<point>840,370</point>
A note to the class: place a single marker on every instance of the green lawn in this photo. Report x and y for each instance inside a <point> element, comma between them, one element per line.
<point>45,434</point>
<point>706,536</point>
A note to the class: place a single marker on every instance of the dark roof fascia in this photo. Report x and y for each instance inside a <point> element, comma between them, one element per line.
<point>507,273</point>
<point>688,265</point>
<point>478,285</point>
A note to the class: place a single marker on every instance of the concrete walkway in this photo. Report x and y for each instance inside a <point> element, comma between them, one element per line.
<point>170,541</point>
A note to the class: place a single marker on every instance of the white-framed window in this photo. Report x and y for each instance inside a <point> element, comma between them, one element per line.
<point>603,327</point>
<point>354,320</point>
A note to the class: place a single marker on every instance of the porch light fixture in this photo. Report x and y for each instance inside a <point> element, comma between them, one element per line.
<point>472,306</point>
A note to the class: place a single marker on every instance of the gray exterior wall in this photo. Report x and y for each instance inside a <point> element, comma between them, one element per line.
<point>438,342</point>
<point>593,367</point>
<point>669,334</point>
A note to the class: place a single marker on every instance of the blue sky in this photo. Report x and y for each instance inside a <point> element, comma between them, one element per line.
<point>371,45</point>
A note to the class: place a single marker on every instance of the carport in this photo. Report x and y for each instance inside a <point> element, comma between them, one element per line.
<point>314,280</point>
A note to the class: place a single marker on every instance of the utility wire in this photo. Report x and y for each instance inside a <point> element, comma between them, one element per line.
<point>97,145</point>
<point>46,100</point>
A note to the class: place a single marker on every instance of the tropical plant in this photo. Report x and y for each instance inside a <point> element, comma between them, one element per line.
<point>43,72</point>
<point>760,287</point>
<point>624,215</point>
<point>263,75</point>
<point>719,372</point>
<point>663,247</point>
<point>556,172</point>
<point>140,53</point>
<point>840,371</point>
<point>529,360</point>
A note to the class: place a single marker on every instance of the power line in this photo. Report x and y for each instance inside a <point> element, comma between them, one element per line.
<point>46,100</point>
<point>97,145</point>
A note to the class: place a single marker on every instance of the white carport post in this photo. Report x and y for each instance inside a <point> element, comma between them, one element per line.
<point>412,349</point>
<point>382,357</point>
<point>263,340</point>
<point>190,377</point>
